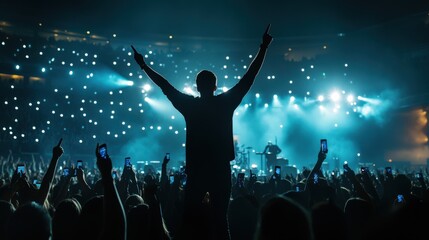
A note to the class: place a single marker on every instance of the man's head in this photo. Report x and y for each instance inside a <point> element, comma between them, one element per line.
<point>270,143</point>
<point>206,82</point>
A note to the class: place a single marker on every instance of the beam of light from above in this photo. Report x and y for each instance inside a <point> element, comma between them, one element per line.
<point>369,100</point>
<point>123,82</point>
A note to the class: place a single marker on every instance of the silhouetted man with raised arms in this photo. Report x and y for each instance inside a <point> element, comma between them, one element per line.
<point>209,143</point>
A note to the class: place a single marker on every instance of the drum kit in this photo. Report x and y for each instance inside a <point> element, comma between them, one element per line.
<point>243,157</point>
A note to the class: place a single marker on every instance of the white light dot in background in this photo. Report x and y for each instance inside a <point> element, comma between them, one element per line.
<point>80,141</point>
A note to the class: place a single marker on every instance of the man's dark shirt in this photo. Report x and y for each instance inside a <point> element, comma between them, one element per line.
<point>209,131</point>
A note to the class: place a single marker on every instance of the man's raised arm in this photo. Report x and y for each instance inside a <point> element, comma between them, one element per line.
<point>156,77</point>
<point>249,77</point>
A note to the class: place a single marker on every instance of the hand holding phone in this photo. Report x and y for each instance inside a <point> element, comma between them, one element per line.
<point>389,170</point>
<point>277,170</point>
<point>102,150</point>
<point>20,170</point>
<point>66,172</point>
<point>79,164</point>
<point>128,162</point>
<point>324,145</point>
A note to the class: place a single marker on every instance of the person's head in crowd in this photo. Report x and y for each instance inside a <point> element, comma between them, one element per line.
<point>138,222</point>
<point>402,184</point>
<point>66,218</point>
<point>328,222</point>
<point>282,218</point>
<point>91,218</point>
<point>30,221</point>
<point>6,211</point>
<point>284,186</point>
<point>243,217</point>
<point>132,201</point>
<point>359,213</point>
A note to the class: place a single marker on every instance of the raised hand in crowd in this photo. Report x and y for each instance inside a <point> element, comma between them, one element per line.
<point>114,225</point>
<point>46,185</point>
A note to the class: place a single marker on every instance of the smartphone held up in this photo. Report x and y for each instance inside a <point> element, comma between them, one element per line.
<point>20,169</point>
<point>324,145</point>
<point>102,150</point>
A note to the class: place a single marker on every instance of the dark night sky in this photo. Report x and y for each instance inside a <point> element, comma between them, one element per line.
<point>221,18</point>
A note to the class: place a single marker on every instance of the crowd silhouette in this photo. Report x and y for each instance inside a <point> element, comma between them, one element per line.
<point>205,200</point>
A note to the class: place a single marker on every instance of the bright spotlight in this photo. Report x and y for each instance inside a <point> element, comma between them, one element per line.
<point>335,96</point>
<point>292,99</point>
<point>275,97</point>
<point>147,87</point>
<point>254,166</point>
<point>350,98</point>
<point>189,90</point>
<point>266,105</point>
<point>257,95</point>
<point>366,110</point>
<point>320,98</point>
<point>224,89</point>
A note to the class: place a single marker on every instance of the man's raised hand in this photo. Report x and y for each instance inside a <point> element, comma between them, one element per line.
<point>138,57</point>
<point>267,38</point>
<point>103,164</point>
<point>58,150</point>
